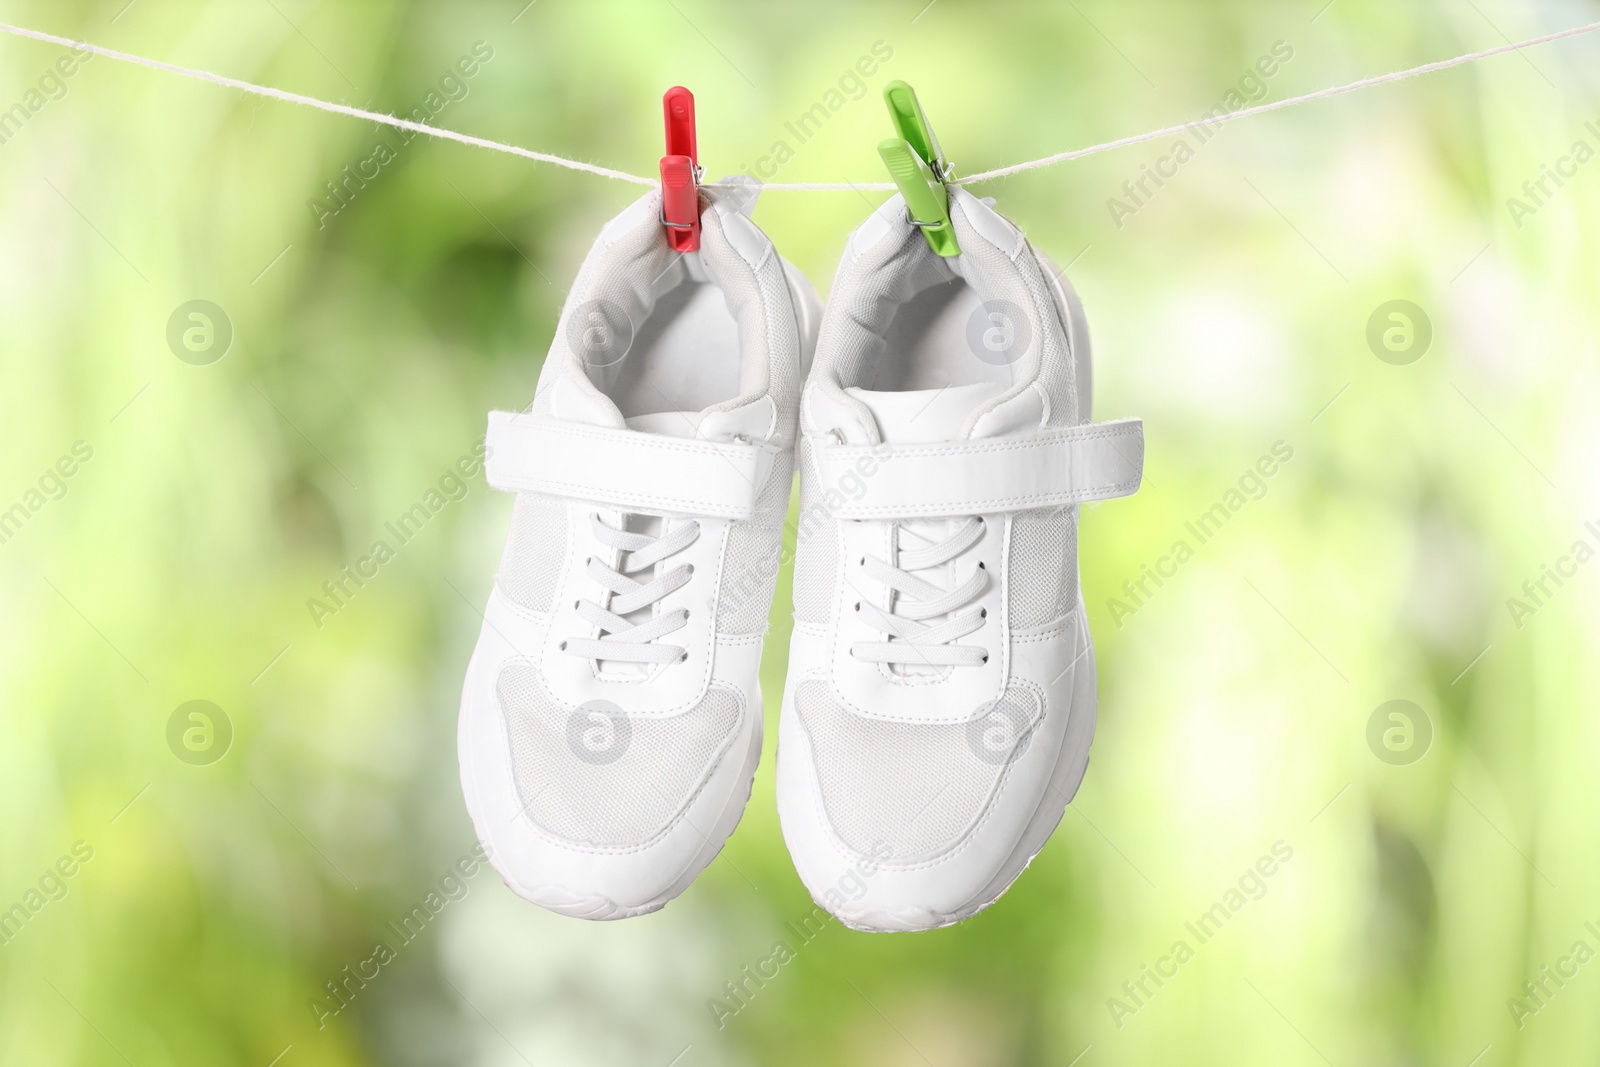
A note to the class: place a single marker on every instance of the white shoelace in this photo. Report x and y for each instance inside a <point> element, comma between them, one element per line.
<point>911,640</point>
<point>621,640</point>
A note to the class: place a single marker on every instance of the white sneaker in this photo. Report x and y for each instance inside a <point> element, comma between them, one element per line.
<point>941,691</point>
<point>611,716</point>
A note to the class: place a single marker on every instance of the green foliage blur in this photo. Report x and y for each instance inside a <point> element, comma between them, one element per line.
<point>1269,862</point>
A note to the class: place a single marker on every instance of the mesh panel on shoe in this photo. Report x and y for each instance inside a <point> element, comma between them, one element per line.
<point>750,567</point>
<point>608,783</point>
<point>1041,571</point>
<point>916,789</point>
<point>816,550</point>
<point>534,550</point>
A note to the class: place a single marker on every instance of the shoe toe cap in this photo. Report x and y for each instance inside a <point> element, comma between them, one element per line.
<point>594,813</point>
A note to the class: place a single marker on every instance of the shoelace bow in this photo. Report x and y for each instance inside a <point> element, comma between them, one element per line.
<point>621,640</point>
<point>911,640</point>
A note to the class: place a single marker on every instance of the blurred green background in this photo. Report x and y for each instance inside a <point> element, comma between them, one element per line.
<point>188,888</point>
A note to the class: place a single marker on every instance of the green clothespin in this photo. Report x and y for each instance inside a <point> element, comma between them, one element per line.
<point>919,168</point>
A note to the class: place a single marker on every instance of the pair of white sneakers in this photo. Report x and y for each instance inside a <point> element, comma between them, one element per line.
<point>941,689</point>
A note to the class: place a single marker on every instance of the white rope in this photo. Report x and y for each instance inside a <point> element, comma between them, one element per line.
<point>606,172</point>
<point>1321,94</point>
<point>337,109</point>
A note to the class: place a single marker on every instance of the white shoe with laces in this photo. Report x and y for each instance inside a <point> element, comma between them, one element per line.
<point>941,692</point>
<point>611,716</point>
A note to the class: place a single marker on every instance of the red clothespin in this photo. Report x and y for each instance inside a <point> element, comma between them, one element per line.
<point>680,173</point>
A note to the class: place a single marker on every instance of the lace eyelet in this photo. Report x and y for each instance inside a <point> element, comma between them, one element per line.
<point>983,613</point>
<point>986,657</point>
<point>858,605</point>
<point>562,646</point>
<point>981,567</point>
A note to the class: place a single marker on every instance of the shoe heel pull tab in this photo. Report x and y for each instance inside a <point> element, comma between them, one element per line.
<point>919,168</point>
<point>680,172</point>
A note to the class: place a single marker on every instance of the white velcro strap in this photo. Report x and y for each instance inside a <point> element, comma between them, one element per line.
<point>1095,461</point>
<point>624,469</point>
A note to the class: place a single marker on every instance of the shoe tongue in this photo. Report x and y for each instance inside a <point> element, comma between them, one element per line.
<point>925,416</point>
<point>751,422</point>
<point>666,423</point>
<point>571,402</point>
